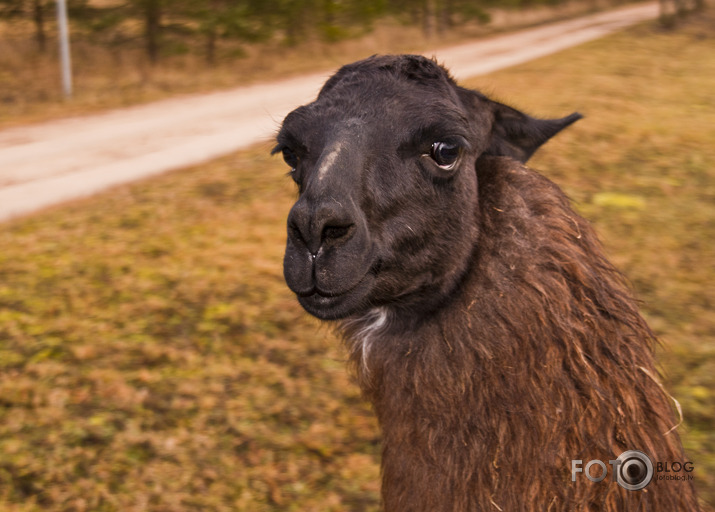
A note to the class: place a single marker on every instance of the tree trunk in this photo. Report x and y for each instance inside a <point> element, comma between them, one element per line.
<point>428,18</point>
<point>213,21</point>
<point>152,17</point>
<point>667,18</point>
<point>39,19</point>
<point>681,8</point>
<point>445,20</point>
<point>211,46</point>
<point>415,12</point>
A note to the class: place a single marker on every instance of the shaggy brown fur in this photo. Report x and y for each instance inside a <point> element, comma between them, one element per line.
<point>541,359</point>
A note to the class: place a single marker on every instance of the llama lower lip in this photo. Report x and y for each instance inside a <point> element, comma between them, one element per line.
<point>324,300</point>
<point>323,306</point>
<point>328,306</point>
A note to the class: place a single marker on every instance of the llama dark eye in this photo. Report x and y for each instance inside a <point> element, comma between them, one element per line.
<point>290,158</point>
<point>445,154</point>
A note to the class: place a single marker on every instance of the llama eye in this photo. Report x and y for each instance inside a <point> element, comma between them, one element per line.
<point>290,158</point>
<point>445,154</point>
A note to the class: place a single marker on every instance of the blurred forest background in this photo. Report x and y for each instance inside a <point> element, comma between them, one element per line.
<point>166,27</point>
<point>132,51</point>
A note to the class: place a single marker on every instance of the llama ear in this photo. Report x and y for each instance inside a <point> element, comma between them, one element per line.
<point>518,135</point>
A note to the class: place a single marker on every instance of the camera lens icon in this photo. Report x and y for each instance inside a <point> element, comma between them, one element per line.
<point>634,470</point>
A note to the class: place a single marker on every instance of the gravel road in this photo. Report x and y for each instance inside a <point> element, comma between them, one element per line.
<point>48,163</point>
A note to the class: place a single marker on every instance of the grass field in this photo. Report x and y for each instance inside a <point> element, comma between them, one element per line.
<point>152,359</point>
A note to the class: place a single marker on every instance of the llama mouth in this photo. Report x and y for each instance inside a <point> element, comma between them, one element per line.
<point>316,291</point>
<point>334,306</point>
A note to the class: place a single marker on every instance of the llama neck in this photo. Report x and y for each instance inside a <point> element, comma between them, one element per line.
<point>540,357</point>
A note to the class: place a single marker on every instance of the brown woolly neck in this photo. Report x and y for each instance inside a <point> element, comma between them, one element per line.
<point>541,357</point>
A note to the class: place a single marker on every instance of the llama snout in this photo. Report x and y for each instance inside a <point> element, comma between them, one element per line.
<point>328,256</point>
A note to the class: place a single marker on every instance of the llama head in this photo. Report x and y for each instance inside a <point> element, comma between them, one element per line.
<point>386,162</point>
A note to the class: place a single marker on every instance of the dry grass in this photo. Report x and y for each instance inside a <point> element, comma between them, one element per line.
<point>152,360</point>
<point>151,357</point>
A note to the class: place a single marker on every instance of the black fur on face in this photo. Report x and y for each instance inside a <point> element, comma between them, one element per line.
<point>387,164</point>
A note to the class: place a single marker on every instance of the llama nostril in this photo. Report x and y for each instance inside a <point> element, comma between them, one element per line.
<point>295,233</point>
<point>310,226</point>
<point>335,232</point>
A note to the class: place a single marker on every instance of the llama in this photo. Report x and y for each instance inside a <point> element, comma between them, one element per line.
<point>494,340</point>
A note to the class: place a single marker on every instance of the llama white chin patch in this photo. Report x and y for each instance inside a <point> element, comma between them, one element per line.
<point>376,320</point>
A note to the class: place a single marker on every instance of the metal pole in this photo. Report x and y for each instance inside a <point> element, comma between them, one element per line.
<point>65,62</point>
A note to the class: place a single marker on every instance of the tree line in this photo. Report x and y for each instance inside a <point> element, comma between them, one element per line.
<point>161,26</point>
<point>160,22</point>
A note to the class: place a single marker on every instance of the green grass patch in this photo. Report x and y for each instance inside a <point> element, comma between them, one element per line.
<point>151,357</point>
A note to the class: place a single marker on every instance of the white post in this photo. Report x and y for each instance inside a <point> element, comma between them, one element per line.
<point>65,62</point>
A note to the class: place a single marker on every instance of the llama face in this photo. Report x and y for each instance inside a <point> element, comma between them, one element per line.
<point>385,161</point>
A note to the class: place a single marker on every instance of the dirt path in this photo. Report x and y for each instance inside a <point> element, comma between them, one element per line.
<point>44,164</point>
